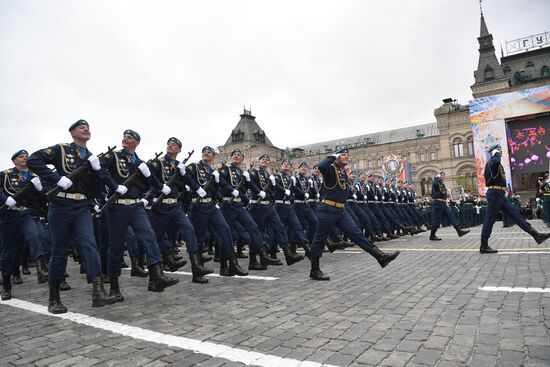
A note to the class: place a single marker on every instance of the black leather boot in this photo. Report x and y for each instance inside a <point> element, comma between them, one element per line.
<point>240,246</point>
<point>25,268</point>
<point>137,270</point>
<point>539,237</point>
<point>6,289</point>
<point>380,234</point>
<point>197,267</point>
<point>99,297</point>
<point>484,248</point>
<point>291,257</point>
<point>330,245</point>
<point>224,269</point>
<point>174,264</point>
<point>205,259</point>
<point>461,232</point>
<point>428,226</point>
<point>433,237</point>
<point>265,259</point>
<point>419,229</point>
<point>253,263</point>
<point>64,286</point>
<point>383,258</point>
<point>157,280</point>
<point>315,272</point>
<point>41,272</point>
<point>235,267</point>
<point>306,248</point>
<point>54,304</point>
<point>114,292</point>
<point>391,235</point>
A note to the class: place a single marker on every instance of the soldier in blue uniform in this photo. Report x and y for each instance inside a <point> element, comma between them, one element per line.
<point>168,213</point>
<point>263,212</point>
<point>205,213</point>
<point>301,190</point>
<point>495,180</point>
<point>129,210</point>
<point>69,215</point>
<point>237,183</point>
<point>440,208</point>
<point>331,212</point>
<point>17,223</point>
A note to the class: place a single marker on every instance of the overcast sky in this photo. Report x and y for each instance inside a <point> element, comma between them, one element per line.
<point>310,70</point>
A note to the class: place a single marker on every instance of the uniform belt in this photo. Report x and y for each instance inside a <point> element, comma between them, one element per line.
<point>75,196</point>
<point>497,188</point>
<point>286,202</point>
<point>441,200</point>
<point>18,208</point>
<point>548,194</point>
<point>233,199</point>
<point>351,201</point>
<point>261,202</point>
<point>167,201</point>
<point>333,203</point>
<point>202,200</point>
<point>300,201</point>
<point>311,200</point>
<point>127,201</point>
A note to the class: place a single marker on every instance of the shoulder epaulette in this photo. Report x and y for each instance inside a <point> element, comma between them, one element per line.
<point>9,170</point>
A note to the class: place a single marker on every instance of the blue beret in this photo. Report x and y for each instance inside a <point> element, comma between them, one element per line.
<point>264,156</point>
<point>315,166</point>
<point>286,160</point>
<point>237,151</point>
<point>303,164</point>
<point>18,153</point>
<point>133,134</point>
<point>341,150</point>
<point>174,140</point>
<point>209,148</point>
<point>493,147</point>
<point>78,123</point>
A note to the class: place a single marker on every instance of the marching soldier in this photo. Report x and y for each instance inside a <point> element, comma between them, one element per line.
<point>331,212</point>
<point>69,215</point>
<point>440,208</point>
<point>301,190</point>
<point>17,223</point>
<point>495,180</point>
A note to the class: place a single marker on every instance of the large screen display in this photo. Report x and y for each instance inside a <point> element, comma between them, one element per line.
<point>529,144</point>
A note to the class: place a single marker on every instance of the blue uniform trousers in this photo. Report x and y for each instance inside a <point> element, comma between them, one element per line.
<point>496,200</point>
<point>375,223</point>
<point>418,218</point>
<point>166,216</point>
<point>364,220</point>
<point>267,218</point>
<point>407,219</point>
<point>288,217</point>
<point>390,215</point>
<point>206,216</point>
<point>441,209</point>
<point>18,228</point>
<point>236,213</point>
<point>71,221</point>
<point>385,224</point>
<point>307,219</point>
<point>330,216</point>
<point>120,218</point>
<point>101,230</point>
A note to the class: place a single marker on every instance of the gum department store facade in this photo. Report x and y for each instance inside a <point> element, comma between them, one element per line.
<point>445,145</point>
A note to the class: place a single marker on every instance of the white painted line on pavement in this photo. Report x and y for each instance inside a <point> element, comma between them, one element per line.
<point>515,289</point>
<point>522,252</point>
<point>510,251</point>
<point>208,348</point>
<point>214,275</point>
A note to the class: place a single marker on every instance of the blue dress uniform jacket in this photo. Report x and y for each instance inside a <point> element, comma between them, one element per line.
<point>261,180</point>
<point>439,191</point>
<point>494,173</point>
<point>335,181</point>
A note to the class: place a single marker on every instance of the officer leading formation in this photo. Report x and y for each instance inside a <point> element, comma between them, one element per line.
<point>98,206</point>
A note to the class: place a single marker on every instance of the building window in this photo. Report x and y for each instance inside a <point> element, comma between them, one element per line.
<point>423,188</point>
<point>489,73</point>
<point>429,186</point>
<point>470,146</point>
<point>369,164</point>
<point>545,71</point>
<point>529,64</point>
<point>378,163</point>
<point>458,148</point>
<point>422,157</point>
<point>432,156</point>
<point>507,71</point>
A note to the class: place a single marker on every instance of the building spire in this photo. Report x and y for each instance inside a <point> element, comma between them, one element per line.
<point>480,7</point>
<point>488,67</point>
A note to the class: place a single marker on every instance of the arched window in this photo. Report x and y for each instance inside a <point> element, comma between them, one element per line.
<point>423,189</point>
<point>429,186</point>
<point>458,148</point>
<point>545,71</point>
<point>433,157</point>
<point>422,157</point>
<point>489,73</point>
<point>529,64</point>
<point>470,146</point>
<point>369,164</point>
<point>378,163</point>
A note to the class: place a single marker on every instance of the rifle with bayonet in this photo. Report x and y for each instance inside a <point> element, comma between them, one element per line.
<point>130,180</point>
<point>74,175</point>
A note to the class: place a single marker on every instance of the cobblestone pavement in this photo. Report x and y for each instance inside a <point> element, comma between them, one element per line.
<point>425,309</point>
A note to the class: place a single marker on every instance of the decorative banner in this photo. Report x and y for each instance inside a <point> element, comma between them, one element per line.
<point>396,168</point>
<point>485,135</point>
<point>520,103</point>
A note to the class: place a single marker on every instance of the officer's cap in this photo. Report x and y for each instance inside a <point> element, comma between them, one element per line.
<point>237,151</point>
<point>341,150</point>
<point>133,134</point>
<point>264,156</point>
<point>303,164</point>
<point>78,123</point>
<point>18,153</point>
<point>286,161</point>
<point>210,149</point>
<point>493,147</point>
<point>174,140</point>
<point>370,174</point>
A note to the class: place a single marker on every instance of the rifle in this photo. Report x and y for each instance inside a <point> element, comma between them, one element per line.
<point>75,174</point>
<point>173,179</point>
<point>130,180</point>
<point>21,198</point>
<point>207,185</point>
<point>239,185</point>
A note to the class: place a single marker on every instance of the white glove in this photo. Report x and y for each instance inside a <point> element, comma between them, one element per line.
<point>94,162</point>
<point>376,197</point>
<point>383,197</point>
<point>247,176</point>
<point>293,179</point>
<point>318,195</point>
<point>145,202</point>
<point>121,189</point>
<point>272,178</point>
<point>217,206</point>
<point>144,169</point>
<point>201,192</point>
<point>10,202</point>
<point>97,209</point>
<point>64,183</point>
<point>166,189</point>
<point>235,193</point>
<point>354,196</point>
<point>306,195</point>
<point>216,175</point>
<point>181,167</point>
<point>336,155</point>
<point>37,184</point>
<point>262,194</point>
<point>287,192</point>
<point>310,181</point>
<point>187,188</point>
